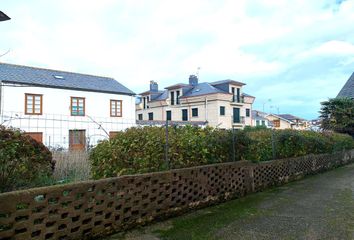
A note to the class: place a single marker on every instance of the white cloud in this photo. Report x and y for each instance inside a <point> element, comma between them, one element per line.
<point>260,42</point>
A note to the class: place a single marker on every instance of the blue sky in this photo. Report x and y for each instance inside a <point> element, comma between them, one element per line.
<point>296,53</point>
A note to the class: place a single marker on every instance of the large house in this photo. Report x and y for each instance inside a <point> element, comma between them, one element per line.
<point>64,109</point>
<point>221,104</point>
<point>348,88</point>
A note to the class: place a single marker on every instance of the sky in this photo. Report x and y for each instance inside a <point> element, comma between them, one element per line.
<point>291,54</point>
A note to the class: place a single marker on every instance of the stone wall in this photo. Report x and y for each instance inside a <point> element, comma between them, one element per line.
<point>93,208</point>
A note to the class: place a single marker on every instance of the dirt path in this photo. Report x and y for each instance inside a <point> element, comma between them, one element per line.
<point>318,207</point>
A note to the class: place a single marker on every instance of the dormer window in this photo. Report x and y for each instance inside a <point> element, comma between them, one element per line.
<point>172,98</point>
<point>236,96</point>
<point>177,97</point>
<point>145,101</point>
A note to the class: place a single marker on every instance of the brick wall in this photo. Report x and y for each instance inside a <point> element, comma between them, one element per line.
<point>92,208</point>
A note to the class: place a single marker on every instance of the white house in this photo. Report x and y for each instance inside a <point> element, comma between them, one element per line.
<point>278,121</point>
<point>221,104</point>
<point>64,109</point>
<point>260,119</point>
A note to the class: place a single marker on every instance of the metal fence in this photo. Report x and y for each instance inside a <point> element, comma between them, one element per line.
<point>55,129</point>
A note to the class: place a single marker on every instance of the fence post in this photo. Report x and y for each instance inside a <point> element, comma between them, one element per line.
<point>166,146</point>
<point>273,144</point>
<point>233,144</point>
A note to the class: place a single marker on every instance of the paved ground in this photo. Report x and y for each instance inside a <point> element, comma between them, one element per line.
<point>318,207</point>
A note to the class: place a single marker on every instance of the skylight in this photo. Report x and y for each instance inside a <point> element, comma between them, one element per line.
<point>58,77</point>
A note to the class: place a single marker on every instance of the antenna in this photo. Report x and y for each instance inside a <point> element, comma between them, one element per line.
<point>3,54</point>
<point>197,73</point>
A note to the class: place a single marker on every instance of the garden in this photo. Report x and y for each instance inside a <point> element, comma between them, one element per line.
<point>25,163</point>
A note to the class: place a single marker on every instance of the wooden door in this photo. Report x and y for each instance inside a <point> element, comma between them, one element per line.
<point>38,136</point>
<point>77,140</point>
<point>112,134</point>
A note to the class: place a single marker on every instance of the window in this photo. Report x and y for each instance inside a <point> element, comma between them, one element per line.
<point>194,112</point>
<point>168,115</point>
<point>58,77</point>
<point>184,115</point>
<point>177,97</point>
<point>77,106</point>
<point>116,108</point>
<point>151,116</point>
<point>257,122</point>
<point>172,98</point>
<point>144,102</point>
<point>33,104</point>
<point>263,123</point>
<point>276,123</point>
<point>233,94</point>
<point>222,111</point>
<point>140,116</point>
<point>247,112</point>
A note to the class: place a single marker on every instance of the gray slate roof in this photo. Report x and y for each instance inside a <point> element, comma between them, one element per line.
<point>202,89</point>
<point>68,80</point>
<point>348,88</point>
<point>258,115</point>
<point>162,96</point>
<point>227,81</point>
<point>198,90</point>
<point>290,117</point>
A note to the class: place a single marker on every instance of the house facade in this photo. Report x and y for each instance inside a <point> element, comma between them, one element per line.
<point>221,104</point>
<point>260,119</point>
<point>280,121</point>
<point>63,109</point>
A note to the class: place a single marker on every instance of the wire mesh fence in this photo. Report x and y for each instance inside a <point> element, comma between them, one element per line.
<point>63,132</point>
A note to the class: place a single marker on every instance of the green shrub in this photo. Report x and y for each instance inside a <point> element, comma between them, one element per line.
<point>259,147</point>
<point>140,150</point>
<point>23,161</point>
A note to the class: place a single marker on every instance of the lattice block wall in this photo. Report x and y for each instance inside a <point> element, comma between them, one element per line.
<point>88,209</point>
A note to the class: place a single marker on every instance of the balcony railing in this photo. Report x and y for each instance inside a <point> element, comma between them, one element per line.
<point>240,121</point>
<point>238,99</point>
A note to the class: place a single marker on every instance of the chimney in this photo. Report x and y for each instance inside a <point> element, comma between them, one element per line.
<point>154,87</point>
<point>193,80</point>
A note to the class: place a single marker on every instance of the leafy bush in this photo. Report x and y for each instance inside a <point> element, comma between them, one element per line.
<point>23,161</point>
<point>140,150</point>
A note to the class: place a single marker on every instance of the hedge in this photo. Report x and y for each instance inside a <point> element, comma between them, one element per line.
<point>140,150</point>
<point>23,161</point>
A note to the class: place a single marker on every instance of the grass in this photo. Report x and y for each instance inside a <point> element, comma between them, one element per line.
<point>71,166</point>
<point>205,223</point>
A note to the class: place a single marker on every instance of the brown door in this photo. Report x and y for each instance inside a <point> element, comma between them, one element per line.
<point>77,140</point>
<point>38,136</point>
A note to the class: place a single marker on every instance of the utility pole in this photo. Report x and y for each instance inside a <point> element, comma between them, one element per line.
<point>166,146</point>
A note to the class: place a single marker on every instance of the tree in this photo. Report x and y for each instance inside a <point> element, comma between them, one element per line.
<point>337,114</point>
